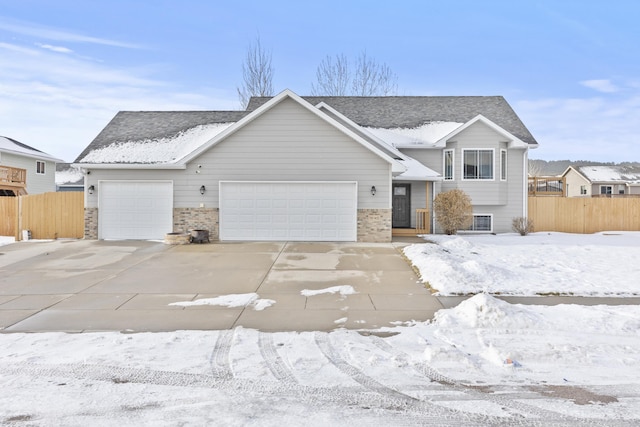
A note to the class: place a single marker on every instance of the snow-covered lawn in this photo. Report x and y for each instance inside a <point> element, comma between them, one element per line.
<point>602,264</point>
<point>484,362</point>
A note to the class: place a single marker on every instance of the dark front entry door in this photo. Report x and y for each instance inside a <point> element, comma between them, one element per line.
<point>401,202</point>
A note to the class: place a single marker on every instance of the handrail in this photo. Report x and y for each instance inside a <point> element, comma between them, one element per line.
<point>13,175</point>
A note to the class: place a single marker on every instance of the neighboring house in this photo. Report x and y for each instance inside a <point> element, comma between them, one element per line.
<point>602,181</point>
<point>69,177</point>
<point>25,170</point>
<point>312,168</point>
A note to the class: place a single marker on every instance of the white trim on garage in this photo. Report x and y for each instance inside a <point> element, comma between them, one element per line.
<point>137,210</point>
<point>288,210</point>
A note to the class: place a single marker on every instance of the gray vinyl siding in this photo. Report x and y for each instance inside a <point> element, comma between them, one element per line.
<point>286,143</point>
<point>36,183</point>
<point>504,200</point>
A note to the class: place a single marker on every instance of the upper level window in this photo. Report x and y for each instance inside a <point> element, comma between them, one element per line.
<point>583,189</point>
<point>39,167</point>
<point>478,164</point>
<point>503,165</point>
<point>448,164</point>
<point>606,189</point>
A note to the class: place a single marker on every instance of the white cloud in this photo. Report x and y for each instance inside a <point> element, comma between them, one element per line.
<point>597,129</point>
<point>601,85</point>
<point>48,33</point>
<point>59,49</point>
<point>59,103</point>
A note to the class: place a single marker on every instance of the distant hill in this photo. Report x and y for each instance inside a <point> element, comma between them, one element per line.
<point>556,167</point>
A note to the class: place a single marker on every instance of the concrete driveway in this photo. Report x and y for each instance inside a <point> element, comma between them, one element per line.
<point>87,285</point>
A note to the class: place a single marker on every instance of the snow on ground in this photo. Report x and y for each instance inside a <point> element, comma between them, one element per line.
<point>342,290</point>
<point>231,300</point>
<point>484,362</point>
<point>6,240</point>
<point>602,264</point>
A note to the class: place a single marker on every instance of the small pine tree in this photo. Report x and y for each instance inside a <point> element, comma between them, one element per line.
<point>453,210</point>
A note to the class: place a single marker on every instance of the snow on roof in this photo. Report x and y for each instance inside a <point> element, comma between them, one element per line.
<point>11,145</point>
<point>416,171</point>
<point>69,175</point>
<point>159,150</point>
<point>610,173</point>
<point>426,134</point>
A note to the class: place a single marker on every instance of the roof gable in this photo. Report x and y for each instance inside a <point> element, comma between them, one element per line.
<point>410,112</point>
<point>288,94</point>
<point>511,139</point>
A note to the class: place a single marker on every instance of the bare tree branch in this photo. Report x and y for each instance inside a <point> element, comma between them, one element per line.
<point>257,74</point>
<point>332,77</point>
<point>369,79</point>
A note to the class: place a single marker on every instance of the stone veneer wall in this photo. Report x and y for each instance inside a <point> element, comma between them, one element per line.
<point>374,225</point>
<point>185,219</point>
<point>91,223</point>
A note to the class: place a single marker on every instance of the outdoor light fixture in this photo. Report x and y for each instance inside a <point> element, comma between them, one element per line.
<point>91,189</point>
<point>373,190</point>
<point>202,190</point>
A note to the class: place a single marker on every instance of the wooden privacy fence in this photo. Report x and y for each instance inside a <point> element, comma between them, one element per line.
<point>584,215</point>
<point>47,216</point>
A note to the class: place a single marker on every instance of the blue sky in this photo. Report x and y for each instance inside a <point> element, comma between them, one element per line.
<point>570,69</point>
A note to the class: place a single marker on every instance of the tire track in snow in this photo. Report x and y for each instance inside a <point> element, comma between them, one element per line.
<point>274,362</point>
<point>434,375</point>
<point>220,359</point>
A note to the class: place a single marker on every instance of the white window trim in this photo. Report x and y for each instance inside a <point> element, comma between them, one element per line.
<point>493,164</point>
<point>506,164</point>
<point>44,166</point>
<point>453,164</point>
<point>480,231</point>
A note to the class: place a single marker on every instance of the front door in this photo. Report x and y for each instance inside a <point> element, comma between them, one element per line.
<point>401,202</point>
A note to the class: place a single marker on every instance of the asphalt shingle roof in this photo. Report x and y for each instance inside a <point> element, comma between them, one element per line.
<point>142,125</point>
<point>413,111</point>
<point>378,112</point>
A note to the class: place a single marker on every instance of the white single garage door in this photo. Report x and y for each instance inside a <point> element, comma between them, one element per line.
<point>139,210</point>
<point>288,211</point>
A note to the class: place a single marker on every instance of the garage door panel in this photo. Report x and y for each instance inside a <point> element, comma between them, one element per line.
<point>288,211</point>
<point>135,210</point>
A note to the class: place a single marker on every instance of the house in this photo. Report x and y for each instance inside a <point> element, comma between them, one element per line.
<point>602,181</point>
<point>306,168</point>
<point>69,177</point>
<point>24,169</point>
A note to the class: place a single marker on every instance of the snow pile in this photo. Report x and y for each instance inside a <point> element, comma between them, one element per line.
<point>342,290</point>
<point>231,300</point>
<point>551,344</point>
<point>6,240</point>
<point>161,150</point>
<point>426,134</point>
<point>602,264</point>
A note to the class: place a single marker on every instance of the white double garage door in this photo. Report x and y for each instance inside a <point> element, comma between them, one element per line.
<point>261,211</point>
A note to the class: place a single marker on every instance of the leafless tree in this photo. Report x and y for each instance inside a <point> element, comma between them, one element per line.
<point>535,168</point>
<point>332,77</point>
<point>257,74</point>
<point>372,78</point>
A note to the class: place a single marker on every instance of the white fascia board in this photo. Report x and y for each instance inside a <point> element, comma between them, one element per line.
<point>514,142</point>
<point>42,156</point>
<point>129,166</point>
<point>353,129</point>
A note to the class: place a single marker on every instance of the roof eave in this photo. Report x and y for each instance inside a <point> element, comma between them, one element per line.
<point>130,165</point>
